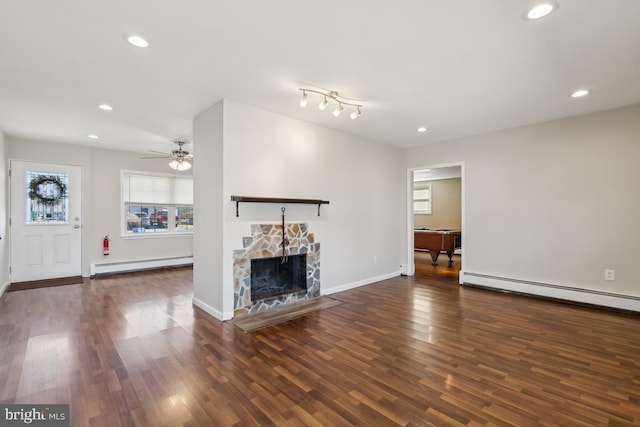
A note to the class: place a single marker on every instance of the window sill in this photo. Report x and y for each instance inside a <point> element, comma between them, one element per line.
<point>134,236</point>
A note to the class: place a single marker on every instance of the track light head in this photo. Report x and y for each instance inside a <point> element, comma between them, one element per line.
<point>303,100</point>
<point>324,103</point>
<point>338,110</point>
<point>355,114</point>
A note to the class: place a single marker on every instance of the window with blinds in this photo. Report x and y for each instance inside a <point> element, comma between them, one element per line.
<point>422,197</point>
<point>156,203</point>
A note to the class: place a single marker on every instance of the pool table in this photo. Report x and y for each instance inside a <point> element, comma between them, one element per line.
<point>435,240</point>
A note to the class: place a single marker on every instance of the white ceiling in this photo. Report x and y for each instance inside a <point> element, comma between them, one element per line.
<point>460,67</point>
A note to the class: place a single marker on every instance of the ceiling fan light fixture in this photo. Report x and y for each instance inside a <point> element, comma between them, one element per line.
<point>180,165</point>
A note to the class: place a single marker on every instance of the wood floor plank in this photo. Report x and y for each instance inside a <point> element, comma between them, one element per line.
<point>131,350</point>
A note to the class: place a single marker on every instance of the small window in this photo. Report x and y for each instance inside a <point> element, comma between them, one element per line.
<point>156,204</point>
<point>47,198</point>
<point>422,197</point>
<point>184,218</point>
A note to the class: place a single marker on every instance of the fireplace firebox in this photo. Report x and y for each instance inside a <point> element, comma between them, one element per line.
<point>271,277</point>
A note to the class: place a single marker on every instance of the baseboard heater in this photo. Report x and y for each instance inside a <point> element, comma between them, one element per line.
<point>138,265</point>
<point>553,291</point>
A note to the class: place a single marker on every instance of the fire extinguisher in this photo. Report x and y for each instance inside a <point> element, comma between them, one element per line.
<point>105,245</point>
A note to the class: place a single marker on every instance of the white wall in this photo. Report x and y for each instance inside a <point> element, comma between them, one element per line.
<point>269,155</point>
<point>250,152</point>
<point>101,199</point>
<point>446,206</point>
<point>4,221</point>
<point>208,292</point>
<point>104,210</point>
<point>552,204</point>
<point>40,151</point>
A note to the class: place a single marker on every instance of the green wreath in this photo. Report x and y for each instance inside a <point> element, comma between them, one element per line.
<point>34,189</point>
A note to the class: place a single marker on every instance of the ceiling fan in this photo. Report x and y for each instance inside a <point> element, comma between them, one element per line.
<point>180,159</point>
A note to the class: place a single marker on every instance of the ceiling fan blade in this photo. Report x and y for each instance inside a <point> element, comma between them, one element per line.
<point>155,157</point>
<point>158,152</point>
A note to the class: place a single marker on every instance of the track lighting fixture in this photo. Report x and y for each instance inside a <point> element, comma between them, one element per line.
<point>324,103</point>
<point>338,110</point>
<point>331,96</point>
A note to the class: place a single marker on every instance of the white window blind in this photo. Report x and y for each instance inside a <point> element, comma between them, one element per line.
<point>422,197</point>
<point>157,189</point>
<point>182,191</point>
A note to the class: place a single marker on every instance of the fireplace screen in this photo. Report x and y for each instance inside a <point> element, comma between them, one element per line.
<point>271,277</point>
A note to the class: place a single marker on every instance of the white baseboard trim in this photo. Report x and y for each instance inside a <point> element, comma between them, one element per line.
<point>359,283</point>
<point>4,288</point>
<point>144,264</point>
<point>586,296</point>
<point>212,311</point>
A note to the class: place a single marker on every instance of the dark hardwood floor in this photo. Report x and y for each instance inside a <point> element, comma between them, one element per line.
<point>444,271</point>
<point>412,351</point>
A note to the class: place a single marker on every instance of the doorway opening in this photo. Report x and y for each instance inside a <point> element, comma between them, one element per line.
<point>436,221</point>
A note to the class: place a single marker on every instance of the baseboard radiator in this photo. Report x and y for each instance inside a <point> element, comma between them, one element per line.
<point>553,291</point>
<point>145,264</point>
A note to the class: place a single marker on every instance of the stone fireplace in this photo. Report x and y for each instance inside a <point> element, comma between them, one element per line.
<point>275,283</point>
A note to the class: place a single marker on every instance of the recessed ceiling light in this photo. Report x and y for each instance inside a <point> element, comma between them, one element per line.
<point>422,129</point>
<point>92,136</point>
<point>105,107</point>
<point>137,41</point>
<point>580,93</point>
<point>541,10</point>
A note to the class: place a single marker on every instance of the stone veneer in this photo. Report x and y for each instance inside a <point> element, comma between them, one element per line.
<point>266,242</point>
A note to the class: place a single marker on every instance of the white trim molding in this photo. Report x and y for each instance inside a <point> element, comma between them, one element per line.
<point>548,290</point>
<point>4,288</point>
<point>359,283</point>
<point>217,314</point>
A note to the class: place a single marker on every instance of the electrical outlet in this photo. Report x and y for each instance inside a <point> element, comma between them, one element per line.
<point>610,275</point>
<point>376,259</point>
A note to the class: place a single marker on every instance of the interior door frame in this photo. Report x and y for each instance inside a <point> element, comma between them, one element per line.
<point>411,267</point>
<point>10,201</point>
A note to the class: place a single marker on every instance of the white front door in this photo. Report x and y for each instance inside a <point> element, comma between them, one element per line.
<point>46,221</point>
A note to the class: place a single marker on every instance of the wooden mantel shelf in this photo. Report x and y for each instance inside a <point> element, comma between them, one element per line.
<point>247,199</point>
